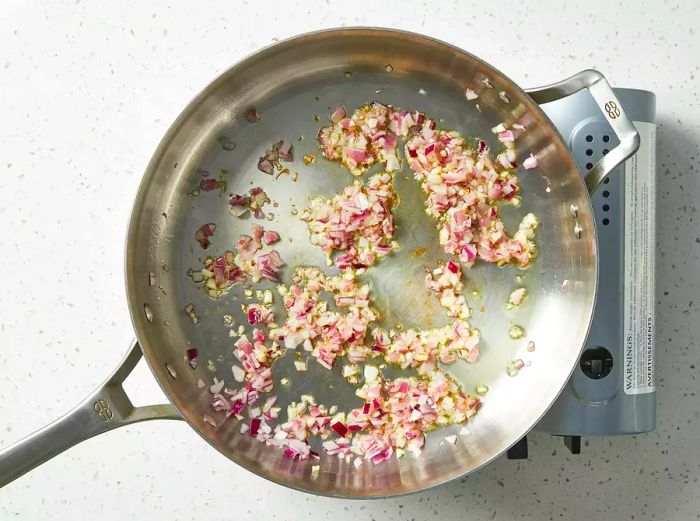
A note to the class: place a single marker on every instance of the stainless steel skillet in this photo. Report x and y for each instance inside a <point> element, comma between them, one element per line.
<point>293,85</point>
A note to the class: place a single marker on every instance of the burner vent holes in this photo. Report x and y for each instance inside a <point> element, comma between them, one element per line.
<point>590,152</point>
<point>606,207</point>
<point>590,139</point>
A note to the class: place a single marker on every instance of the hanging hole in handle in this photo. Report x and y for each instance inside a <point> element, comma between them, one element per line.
<point>139,388</point>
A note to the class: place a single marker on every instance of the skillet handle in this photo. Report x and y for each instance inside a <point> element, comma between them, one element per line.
<point>107,408</point>
<point>609,105</point>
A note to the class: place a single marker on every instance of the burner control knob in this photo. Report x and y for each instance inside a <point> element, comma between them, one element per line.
<point>596,362</point>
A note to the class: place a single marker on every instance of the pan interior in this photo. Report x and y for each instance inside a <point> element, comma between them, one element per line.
<point>294,86</point>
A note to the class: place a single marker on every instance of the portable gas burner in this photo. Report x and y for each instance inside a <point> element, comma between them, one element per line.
<point>611,391</point>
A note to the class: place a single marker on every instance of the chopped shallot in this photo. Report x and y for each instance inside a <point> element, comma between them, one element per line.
<point>191,356</point>
<point>464,186</point>
<point>394,418</point>
<point>209,185</point>
<point>203,233</point>
<point>256,359</point>
<point>366,137</point>
<point>331,316</point>
<point>284,150</point>
<point>280,151</point>
<point>252,115</point>
<point>265,166</point>
<point>358,222</point>
<point>530,162</point>
<point>325,333</point>
<point>446,282</point>
<point>239,204</point>
<point>516,332</point>
<point>423,348</point>
<point>516,297</point>
<point>238,373</point>
<point>252,260</point>
<point>270,237</point>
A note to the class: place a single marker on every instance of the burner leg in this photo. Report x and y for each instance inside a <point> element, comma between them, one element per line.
<point>573,443</point>
<point>519,450</point>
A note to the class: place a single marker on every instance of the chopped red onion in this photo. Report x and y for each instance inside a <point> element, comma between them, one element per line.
<point>270,237</point>
<point>530,162</point>
<point>239,204</point>
<point>238,373</point>
<point>252,116</point>
<point>265,166</point>
<point>284,150</point>
<point>237,406</point>
<point>506,136</point>
<point>209,185</point>
<point>340,429</point>
<point>254,316</point>
<point>325,333</point>
<point>464,188</point>
<point>216,387</point>
<point>338,114</point>
<point>516,297</point>
<point>203,233</point>
<point>366,137</point>
<point>359,221</point>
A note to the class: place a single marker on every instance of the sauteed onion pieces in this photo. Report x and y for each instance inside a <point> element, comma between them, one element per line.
<point>332,317</point>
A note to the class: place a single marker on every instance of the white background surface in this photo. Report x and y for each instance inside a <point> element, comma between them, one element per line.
<point>87,89</point>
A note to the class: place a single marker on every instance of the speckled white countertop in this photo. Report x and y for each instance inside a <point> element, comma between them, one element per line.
<point>88,88</point>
